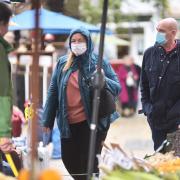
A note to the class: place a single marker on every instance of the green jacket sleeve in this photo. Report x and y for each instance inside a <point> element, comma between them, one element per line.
<point>5,116</point>
<point>5,94</point>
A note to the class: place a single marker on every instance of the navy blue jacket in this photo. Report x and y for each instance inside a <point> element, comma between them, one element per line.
<point>56,104</point>
<point>160,86</point>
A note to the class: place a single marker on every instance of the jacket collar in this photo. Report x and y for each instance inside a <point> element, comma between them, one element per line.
<point>6,45</point>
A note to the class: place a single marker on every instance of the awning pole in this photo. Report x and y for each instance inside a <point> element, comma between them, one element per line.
<point>35,89</point>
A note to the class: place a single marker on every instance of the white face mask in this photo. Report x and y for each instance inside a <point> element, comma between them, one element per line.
<point>78,49</point>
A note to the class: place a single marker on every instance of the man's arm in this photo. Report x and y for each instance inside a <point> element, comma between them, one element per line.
<point>145,91</point>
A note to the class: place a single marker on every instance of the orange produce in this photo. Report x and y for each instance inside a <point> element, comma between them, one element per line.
<point>169,166</point>
<point>24,174</point>
<point>49,174</point>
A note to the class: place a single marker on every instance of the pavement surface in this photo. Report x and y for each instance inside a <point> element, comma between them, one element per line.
<point>132,134</point>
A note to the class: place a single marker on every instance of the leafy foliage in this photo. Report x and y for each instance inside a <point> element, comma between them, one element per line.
<point>92,12</point>
<point>161,5</point>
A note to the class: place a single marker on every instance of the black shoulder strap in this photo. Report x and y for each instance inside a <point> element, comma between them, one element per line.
<point>87,80</point>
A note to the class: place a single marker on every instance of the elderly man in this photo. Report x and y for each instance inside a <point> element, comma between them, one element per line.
<point>160,82</point>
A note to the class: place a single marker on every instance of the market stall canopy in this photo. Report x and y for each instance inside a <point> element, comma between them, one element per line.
<point>49,21</point>
<point>111,44</point>
<point>111,39</point>
<point>116,40</point>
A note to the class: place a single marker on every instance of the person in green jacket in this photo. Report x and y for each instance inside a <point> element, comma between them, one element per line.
<point>5,82</point>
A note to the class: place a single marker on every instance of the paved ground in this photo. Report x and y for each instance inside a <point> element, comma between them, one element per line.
<point>132,134</point>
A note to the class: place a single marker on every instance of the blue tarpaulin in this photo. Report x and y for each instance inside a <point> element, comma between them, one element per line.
<point>50,22</point>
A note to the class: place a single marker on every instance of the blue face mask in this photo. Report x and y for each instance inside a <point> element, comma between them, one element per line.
<point>161,38</point>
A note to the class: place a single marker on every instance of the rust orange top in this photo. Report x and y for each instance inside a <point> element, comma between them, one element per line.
<point>75,107</point>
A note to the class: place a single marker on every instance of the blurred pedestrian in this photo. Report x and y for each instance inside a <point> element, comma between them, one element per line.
<point>69,99</point>
<point>17,120</point>
<point>49,47</point>
<point>128,75</point>
<point>5,82</point>
<point>160,82</point>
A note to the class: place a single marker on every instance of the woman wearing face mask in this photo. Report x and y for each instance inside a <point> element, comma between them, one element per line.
<point>69,100</point>
<point>160,82</point>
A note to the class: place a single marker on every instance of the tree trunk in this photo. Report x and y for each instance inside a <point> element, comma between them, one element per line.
<point>54,5</point>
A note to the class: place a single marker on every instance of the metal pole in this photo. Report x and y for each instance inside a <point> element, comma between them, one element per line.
<point>35,89</point>
<point>96,98</point>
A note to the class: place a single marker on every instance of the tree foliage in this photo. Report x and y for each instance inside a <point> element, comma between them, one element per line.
<point>92,12</point>
<point>54,5</point>
<point>161,5</point>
